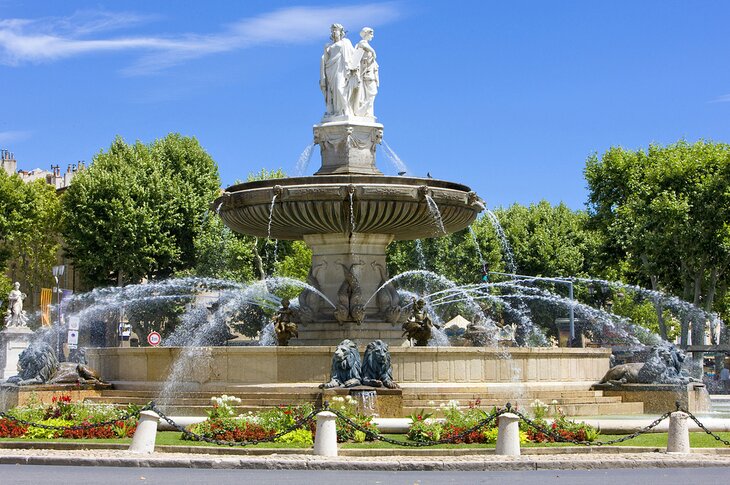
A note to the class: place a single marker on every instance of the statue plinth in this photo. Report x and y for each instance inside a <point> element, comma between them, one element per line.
<point>13,340</point>
<point>348,145</point>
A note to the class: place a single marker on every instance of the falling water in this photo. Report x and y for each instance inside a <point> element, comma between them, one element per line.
<point>268,336</point>
<point>482,263</point>
<point>367,402</point>
<point>400,167</point>
<point>276,252</point>
<point>271,216</point>
<point>503,242</point>
<point>303,161</point>
<point>352,214</point>
<point>420,255</point>
<point>436,213</point>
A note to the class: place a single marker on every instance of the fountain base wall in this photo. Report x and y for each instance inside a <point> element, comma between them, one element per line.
<point>215,368</point>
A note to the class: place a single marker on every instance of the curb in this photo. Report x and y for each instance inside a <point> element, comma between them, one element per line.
<point>521,463</point>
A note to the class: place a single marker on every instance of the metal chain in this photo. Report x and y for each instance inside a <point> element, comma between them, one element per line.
<point>297,424</point>
<point>558,437</point>
<point>704,428</point>
<point>417,444</point>
<point>124,417</point>
<point>300,423</point>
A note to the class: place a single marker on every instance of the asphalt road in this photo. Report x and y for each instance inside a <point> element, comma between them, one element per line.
<point>68,475</point>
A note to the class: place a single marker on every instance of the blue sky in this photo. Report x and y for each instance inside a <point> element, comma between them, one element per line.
<point>507,97</point>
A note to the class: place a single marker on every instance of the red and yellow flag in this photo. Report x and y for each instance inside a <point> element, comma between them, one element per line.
<point>46,299</point>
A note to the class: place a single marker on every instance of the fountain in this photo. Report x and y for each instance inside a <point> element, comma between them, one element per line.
<point>348,212</point>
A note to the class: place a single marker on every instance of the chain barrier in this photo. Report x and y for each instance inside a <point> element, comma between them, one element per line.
<point>297,424</point>
<point>375,435</point>
<point>703,427</point>
<point>75,427</point>
<point>418,444</point>
<point>560,438</point>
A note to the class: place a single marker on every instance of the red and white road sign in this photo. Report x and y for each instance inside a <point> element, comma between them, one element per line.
<point>154,339</point>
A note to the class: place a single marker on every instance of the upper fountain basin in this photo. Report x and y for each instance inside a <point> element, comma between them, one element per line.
<point>321,205</point>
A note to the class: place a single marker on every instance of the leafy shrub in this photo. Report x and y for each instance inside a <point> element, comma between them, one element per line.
<point>299,436</point>
<point>35,433</point>
<point>425,430</point>
<point>348,406</point>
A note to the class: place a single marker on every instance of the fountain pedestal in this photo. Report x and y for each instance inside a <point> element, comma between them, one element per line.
<point>13,340</point>
<point>348,146</point>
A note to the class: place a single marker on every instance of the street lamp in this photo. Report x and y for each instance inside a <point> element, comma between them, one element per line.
<point>58,271</point>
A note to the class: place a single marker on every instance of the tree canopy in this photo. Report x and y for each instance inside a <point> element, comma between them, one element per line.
<point>137,210</point>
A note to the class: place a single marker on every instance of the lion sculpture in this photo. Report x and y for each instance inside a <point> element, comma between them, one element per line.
<point>345,366</point>
<point>38,365</point>
<point>376,368</point>
<point>664,366</point>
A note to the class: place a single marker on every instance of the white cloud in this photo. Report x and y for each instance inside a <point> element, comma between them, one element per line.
<point>45,40</point>
<point>722,99</point>
<point>13,136</point>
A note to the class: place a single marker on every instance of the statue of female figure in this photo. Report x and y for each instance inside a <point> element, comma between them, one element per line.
<point>16,316</point>
<point>338,73</point>
<point>368,74</point>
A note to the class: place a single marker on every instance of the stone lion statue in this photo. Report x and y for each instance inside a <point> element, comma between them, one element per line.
<point>376,368</point>
<point>345,366</point>
<point>664,366</point>
<point>38,365</point>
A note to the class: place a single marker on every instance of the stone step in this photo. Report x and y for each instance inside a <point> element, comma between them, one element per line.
<point>204,402</point>
<point>471,395</point>
<point>208,395</point>
<point>492,401</point>
<point>568,409</point>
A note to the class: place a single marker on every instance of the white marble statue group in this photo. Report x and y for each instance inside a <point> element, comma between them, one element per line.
<point>16,316</point>
<point>349,75</point>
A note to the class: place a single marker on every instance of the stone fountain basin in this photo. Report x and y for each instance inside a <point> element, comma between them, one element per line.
<point>321,205</point>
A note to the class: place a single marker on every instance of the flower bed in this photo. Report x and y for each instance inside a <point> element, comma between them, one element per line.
<point>457,420</point>
<point>63,413</point>
<point>223,425</point>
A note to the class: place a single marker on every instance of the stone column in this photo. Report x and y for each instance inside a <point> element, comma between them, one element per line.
<point>362,253</point>
<point>146,433</point>
<point>13,341</point>
<point>508,435</point>
<point>678,438</point>
<point>325,441</point>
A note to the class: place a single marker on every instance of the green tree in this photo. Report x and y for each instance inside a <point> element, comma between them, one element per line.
<point>548,240</point>
<point>137,210</point>
<point>663,216</point>
<point>29,223</point>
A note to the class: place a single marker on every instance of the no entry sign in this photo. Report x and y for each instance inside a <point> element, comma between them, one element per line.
<point>154,339</point>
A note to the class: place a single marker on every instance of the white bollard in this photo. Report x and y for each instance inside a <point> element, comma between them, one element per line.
<point>678,439</point>
<point>325,441</point>
<point>508,435</point>
<point>144,437</point>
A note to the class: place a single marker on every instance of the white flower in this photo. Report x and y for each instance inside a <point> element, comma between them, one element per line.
<point>431,403</point>
<point>555,402</point>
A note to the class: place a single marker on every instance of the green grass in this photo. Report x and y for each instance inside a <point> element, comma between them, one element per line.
<point>653,440</point>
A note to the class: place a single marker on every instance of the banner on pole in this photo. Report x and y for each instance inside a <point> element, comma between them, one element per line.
<point>46,298</point>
